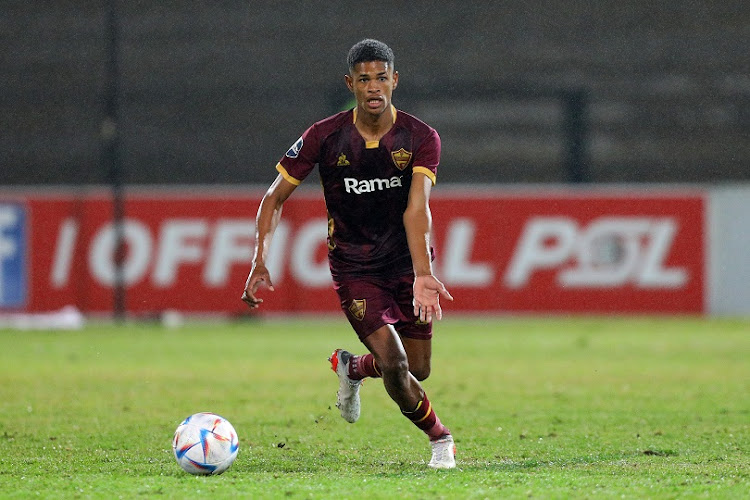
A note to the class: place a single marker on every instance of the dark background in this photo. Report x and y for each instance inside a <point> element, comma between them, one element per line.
<point>215,92</point>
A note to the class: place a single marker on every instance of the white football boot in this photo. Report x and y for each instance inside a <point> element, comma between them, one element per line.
<point>347,397</point>
<point>443,453</point>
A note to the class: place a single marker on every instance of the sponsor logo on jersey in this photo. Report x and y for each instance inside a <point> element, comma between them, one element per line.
<point>13,287</point>
<point>343,162</point>
<point>370,185</point>
<point>357,308</point>
<point>295,149</point>
<point>401,158</point>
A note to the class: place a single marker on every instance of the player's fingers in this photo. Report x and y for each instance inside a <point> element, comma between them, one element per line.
<point>252,303</point>
<point>254,283</point>
<point>250,300</point>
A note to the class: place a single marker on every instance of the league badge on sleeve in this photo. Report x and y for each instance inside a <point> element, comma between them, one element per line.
<point>294,150</point>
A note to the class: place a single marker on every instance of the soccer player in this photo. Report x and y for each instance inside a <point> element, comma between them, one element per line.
<point>377,166</point>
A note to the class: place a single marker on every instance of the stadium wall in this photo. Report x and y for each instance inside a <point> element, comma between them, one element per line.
<point>659,249</point>
<point>216,92</point>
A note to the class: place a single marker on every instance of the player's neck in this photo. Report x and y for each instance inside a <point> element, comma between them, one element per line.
<point>374,127</point>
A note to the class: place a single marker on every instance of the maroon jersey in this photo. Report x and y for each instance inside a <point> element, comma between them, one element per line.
<point>366,188</point>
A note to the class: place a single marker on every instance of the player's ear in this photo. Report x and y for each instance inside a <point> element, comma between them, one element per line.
<point>395,79</point>
<point>349,82</point>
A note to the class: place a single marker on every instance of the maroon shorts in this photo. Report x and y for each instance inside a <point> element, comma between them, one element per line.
<point>372,302</point>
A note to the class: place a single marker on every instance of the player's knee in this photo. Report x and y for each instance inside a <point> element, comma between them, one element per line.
<point>396,367</point>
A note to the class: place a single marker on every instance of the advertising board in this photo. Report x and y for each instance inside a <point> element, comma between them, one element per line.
<point>498,251</point>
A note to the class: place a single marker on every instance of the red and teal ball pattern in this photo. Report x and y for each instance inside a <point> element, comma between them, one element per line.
<point>205,444</point>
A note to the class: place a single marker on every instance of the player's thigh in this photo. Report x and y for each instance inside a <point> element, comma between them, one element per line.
<point>419,354</point>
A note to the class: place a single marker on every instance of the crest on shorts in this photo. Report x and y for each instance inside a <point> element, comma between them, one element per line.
<point>357,308</point>
<point>401,158</point>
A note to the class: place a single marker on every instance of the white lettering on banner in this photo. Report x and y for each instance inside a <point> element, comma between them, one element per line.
<point>653,274</point>
<point>232,243</point>
<point>101,255</point>
<point>305,269</point>
<point>181,241</point>
<point>611,251</point>
<point>457,270</point>
<point>545,243</point>
<point>64,251</point>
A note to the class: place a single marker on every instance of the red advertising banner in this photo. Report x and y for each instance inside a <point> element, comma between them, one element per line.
<point>574,251</point>
<point>544,251</point>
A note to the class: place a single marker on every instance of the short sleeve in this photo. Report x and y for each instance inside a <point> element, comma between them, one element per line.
<point>427,156</point>
<point>301,158</point>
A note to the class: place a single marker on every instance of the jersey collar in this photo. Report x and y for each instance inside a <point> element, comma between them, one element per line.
<point>393,114</point>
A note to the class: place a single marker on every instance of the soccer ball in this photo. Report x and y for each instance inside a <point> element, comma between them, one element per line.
<point>205,444</point>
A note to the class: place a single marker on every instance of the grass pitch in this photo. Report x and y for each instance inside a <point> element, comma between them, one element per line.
<point>546,408</point>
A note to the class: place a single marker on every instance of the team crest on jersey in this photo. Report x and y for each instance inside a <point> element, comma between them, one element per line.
<point>343,162</point>
<point>294,150</point>
<point>401,158</point>
<point>357,308</point>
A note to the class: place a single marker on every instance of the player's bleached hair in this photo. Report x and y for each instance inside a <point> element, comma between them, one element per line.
<point>369,50</point>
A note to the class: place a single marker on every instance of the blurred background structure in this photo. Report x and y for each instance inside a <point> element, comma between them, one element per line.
<point>646,103</point>
<point>215,92</point>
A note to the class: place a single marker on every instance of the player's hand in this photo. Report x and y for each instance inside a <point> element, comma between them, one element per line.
<point>258,275</point>
<point>427,292</point>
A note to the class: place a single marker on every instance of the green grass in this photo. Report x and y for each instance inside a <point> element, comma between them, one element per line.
<point>546,408</point>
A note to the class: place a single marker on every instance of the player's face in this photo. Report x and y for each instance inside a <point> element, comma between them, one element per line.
<point>372,84</point>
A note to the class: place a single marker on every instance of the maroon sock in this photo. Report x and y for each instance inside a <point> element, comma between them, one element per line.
<point>363,366</point>
<point>426,419</point>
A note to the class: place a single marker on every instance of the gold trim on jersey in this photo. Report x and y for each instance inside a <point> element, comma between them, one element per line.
<point>426,171</point>
<point>331,242</point>
<point>374,144</point>
<point>394,113</point>
<point>280,168</point>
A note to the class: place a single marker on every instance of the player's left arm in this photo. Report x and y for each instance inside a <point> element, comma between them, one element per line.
<point>418,224</point>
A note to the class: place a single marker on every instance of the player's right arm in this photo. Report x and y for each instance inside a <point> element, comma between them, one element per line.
<point>266,221</point>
